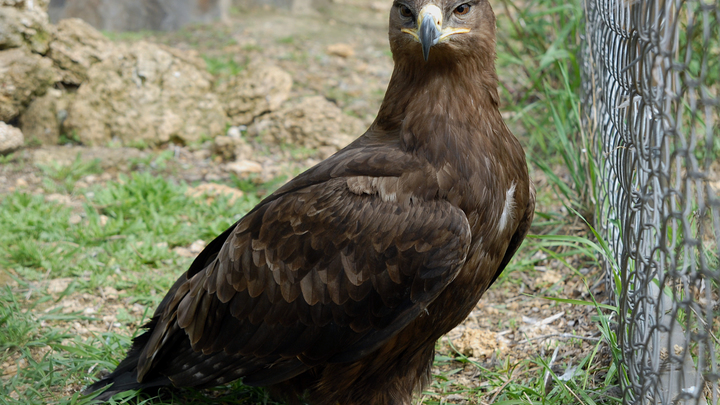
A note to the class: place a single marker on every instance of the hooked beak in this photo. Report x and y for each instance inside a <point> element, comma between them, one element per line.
<point>430,31</point>
<point>430,26</point>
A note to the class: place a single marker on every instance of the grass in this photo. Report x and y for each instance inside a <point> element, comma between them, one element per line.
<point>223,66</point>
<point>539,43</point>
<point>59,178</point>
<point>129,36</point>
<point>125,240</point>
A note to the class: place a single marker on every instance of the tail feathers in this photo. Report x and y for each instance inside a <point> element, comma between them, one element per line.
<point>124,378</point>
<point>124,381</point>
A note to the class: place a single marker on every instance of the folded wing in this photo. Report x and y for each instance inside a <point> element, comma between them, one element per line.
<point>319,274</point>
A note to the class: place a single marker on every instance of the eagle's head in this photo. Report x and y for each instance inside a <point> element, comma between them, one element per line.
<point>442,30</point>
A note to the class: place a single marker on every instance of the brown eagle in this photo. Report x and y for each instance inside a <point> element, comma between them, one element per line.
<point>336,287</point>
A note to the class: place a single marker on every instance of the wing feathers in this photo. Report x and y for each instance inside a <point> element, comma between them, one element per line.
<point>316,274</point>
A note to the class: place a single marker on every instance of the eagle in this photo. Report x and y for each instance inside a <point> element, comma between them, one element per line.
<point>335,288</point>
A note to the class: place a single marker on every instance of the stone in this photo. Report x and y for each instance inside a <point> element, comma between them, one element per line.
<point>77,46</point>
<point>23,77</point>
<point>24,23</point>
<point>313,123</point>
<point>135,15</point>
<point>74,219</point>
<point>341,50</point>
<point>243,167</point>
<point>230,147</point>
<point>234,132</point>
<point>479,343</point>
<point>43,118</point>
<point>260,89</point>
<point>11,138</point>
<point>212,191</point>
<point>58,285</point>
<point>144,95</point>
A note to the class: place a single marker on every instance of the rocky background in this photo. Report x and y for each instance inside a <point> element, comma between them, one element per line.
<point>69,83</point>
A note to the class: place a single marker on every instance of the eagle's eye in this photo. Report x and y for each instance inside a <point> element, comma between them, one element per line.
<point>405,11</point>
<point>462,9</point>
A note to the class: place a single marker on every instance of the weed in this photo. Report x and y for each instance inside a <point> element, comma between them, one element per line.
<point>63,177</point>
<point>225,66</point>
<point>286,40</point>
<point>129,36</point>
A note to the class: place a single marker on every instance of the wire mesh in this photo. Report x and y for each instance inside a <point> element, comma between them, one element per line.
<point>651,108</point>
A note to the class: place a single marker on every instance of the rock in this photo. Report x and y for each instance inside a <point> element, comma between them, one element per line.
<point>243,166</point>
<point>24,23</point>
<point>144,94</point>
<point>42,119</point>
<point>313,123</point>
<point>212,191</point>
<point>230,147</point>
<point>58,285</point>
<point>109,293</point>
<point>11,138</point>
<point>23,76</point>
<point>135,15</point>
<point>236,132</point>
<point>76,47</point>
<point>548,278</point>
<point>74,219</point>
<point>341,50</point>
<point>480,343</point>
<point>259,89</point>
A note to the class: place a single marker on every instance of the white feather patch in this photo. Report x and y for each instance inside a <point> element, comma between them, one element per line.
<point>508,213</point>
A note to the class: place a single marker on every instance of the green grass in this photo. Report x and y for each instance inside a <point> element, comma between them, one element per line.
<point>538,48</point>
<point>124,241</point>
<point>129,36</point>
<point>59,178</point>
<point>224,66</point>
<point>539,43</point>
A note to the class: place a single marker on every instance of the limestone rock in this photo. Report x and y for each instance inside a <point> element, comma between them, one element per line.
<point>243,167</point>
<point>43,118</point>
<point>314,123</point>
<point>341,50</point>
<point>480,343</point>
<point>144,95</point>
<point>23,76</point>
<point>211,191</point>
<point>229,148</point>
<point>11,138</point>
<point>259,89</point>
<point>76,47</point>
<point>24,23</point>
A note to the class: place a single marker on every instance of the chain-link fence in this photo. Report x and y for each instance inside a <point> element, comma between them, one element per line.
<point>652,110</point>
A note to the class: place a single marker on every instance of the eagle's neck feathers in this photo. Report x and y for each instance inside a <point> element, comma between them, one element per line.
<point>443,109</point>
